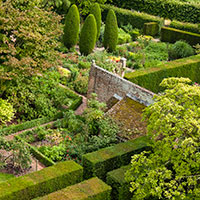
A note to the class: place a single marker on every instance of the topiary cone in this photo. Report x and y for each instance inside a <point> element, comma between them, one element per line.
<point>96,11</point>
<point>88,35</point>
<point>71,29</point>
<point>111,31</point>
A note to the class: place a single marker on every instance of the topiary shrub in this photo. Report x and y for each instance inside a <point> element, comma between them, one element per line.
<point>111,31</point>
<point>71,29</point>
<point>180,49</point>
<point>96,11</point>
<point>88,35</point>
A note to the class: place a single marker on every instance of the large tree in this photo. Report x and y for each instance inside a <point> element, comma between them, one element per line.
<point>172,169</point>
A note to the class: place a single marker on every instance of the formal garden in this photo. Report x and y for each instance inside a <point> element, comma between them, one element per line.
<point>58,141</point>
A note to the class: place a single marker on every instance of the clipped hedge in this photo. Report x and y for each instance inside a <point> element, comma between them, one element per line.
<point>172,35</point>
<point>120,187</point>
<point>41,182</point>
<point>151,28</point>
<point>98,163</point>
<point>92,189</point>
<point>171,9</point>
<point>37,154</point>
<point>194,28</point>
<point>125,17</point>
<point>152,77</point>
<point>29,124</point>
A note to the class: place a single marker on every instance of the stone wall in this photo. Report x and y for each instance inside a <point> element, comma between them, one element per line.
<point>106,84</point>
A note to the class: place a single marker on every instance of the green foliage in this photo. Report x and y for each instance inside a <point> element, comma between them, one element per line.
<point>71,29</point>
<point>88,35</point>
<point>185,67</point>
<point>180,49</point>
<point>42,182</point>
<point>111,32</point>
<point>38,96</point>
<point>6,111</point>
<point>60,6</point>
<point>81,84</point>
<point>85,5</point>
<point>28,41</point>
<point>172,35</point>
<point>172,170</point>
<point>189,27</point>
<point>134,34</point>
<point>170,9</point>
<point>25,4</point>
<point>96,11</point>
<point>123,37</point>
<point>93,188</point>
<point>125,17</point>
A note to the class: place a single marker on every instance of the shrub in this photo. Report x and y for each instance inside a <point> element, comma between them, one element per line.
<point>96,11</point>
<point>180,49</point>
<point>81,84</point>
<point>88,35</point>
<point>111,31</point>
<point>123,37</point>
<point>6,111</point>
<point>71,29</point>
<point>134,34</point>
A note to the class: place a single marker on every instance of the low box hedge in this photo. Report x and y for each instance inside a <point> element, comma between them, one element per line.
<point>194,28</point>
<point>151,28</point>
<point>172,35</point>
<point>152,77</point>
<point>120,187</point>
<point>100,162</point>
<point>92,189</point>
<point>41,182</point>
<point>125,17</point>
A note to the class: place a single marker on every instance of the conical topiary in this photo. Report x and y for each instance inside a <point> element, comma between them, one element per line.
<point>96,11</point>
<point>111,31</point>
<point>88,35</point>
<point>71,29</point>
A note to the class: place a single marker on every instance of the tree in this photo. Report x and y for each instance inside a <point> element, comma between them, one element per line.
<point>88,35</point>
<point>96,11</point>
<point>71,29</point>
<point>172,169</point>
<point>111,31</point>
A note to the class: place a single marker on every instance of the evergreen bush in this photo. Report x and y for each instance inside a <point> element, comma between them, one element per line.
<point>180,49</point>
<point>88,35</point>
<point>96,11</point>
<point>71,29</point>
<point>111,31</point>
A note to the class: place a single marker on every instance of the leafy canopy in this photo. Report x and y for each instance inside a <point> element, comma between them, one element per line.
<point>172,170</point>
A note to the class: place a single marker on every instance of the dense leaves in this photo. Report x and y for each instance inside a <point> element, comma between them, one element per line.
<point>27,40</point>
<point>172,171</point>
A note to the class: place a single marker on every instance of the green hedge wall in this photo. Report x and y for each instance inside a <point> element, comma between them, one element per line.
<point>152,77</point>
<point>125,17</point>
<point>120,188</point>
<point>98,163</point>
<point>92,189</point>
<point>171,9</point>
<point>41,182</point>
<point>172,35</point>
<point>194,28</point>
<point>37,154</point>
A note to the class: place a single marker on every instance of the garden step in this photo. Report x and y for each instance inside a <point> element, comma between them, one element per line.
<point>120,187</point>
<point>91,189</point>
